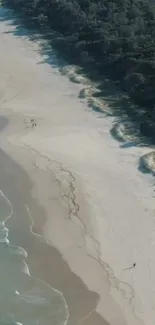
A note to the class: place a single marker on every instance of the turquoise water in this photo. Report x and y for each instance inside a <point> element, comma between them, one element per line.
<point>24,299</point>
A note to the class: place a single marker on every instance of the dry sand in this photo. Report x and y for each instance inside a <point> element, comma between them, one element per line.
<point>100,207</point>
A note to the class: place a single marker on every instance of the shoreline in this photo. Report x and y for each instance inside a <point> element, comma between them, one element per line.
<point>81,290</point>
<point>73,161</point>
<point>44,261</point>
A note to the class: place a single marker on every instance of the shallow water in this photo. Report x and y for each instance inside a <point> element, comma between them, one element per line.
<point>24,299</point>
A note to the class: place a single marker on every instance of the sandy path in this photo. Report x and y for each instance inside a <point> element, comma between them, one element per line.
<point>115,222</point>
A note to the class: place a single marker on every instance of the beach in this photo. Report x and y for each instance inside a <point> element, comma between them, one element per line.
<point>87,209</point>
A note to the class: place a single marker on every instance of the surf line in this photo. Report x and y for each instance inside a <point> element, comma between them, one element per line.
<point>61,294</point>
<point>32,222</point>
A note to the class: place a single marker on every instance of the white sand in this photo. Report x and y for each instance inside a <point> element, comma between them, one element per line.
<point>116,221</point>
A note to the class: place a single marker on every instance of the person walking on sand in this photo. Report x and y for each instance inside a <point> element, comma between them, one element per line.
<point>131,267</point>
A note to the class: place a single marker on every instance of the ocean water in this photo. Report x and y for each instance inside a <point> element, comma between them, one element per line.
<point>24,299</point>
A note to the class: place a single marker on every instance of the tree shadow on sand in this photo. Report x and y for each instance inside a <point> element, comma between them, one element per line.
<point>147,163</point>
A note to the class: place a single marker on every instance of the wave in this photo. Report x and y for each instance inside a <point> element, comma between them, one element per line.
<point>24,299</point>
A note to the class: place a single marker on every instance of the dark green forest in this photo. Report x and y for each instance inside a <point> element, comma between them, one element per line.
<point>116,37</point>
